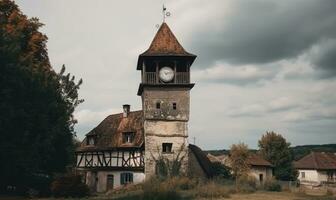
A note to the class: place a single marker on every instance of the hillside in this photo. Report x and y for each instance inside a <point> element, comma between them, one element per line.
<point>299,151</point>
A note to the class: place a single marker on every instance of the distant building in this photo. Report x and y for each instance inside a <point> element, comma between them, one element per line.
<point>260,168</point>
<point>124,147</point>
<point>317,168</point>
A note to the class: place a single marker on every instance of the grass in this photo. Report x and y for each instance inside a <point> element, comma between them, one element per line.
<point>189,189</point>
<point>259,195</point>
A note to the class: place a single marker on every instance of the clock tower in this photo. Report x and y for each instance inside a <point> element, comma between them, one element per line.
<point>165,91</point>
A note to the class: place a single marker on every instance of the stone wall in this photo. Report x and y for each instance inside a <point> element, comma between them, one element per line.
<point>165,125</point>
<point>166,97</point>
<point>156,133</point>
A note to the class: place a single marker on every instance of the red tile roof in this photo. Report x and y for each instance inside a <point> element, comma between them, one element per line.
<point>253,160</point>
<point>109,132</point>
<point>165,44</point>
<point>256,160</point>
<point>318,161</point>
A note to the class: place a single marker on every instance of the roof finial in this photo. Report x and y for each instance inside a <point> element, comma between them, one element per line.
<point>164,13</point>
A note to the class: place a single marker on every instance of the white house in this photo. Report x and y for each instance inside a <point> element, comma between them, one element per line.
<point>317,168</point>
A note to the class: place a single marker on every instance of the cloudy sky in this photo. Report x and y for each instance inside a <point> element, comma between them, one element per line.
<point>262,65</point>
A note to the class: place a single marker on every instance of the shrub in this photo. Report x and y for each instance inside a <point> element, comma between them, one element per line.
<point>179,183</point>
<point>69,186</point>
<point>272,185</point>
<point>247,184</point>
<point>220,170</point>
<point>212,190</point>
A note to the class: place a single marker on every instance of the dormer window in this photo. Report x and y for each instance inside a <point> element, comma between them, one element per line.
<point>90,140</point>
<point>128,137</point>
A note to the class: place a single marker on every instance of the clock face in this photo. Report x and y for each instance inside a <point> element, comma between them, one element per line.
<point>166,74</point>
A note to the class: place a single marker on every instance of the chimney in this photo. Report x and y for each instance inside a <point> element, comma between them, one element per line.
<point>126,110</point>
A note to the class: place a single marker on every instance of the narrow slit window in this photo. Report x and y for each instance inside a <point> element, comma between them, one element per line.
<point>174,106</point>
<point>158,105</point>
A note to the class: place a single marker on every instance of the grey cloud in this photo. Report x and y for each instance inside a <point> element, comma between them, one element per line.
<point>264,31</point>
<point>325,60</point>
<point>236,75</point>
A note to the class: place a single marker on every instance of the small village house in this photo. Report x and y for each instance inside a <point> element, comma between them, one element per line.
<point>317,168</point>
<point>260,168</point>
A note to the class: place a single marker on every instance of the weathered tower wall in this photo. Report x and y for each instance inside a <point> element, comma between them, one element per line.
<point>165,125</point>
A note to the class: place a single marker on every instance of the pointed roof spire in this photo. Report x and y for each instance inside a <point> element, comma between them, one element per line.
<point>165,44</point>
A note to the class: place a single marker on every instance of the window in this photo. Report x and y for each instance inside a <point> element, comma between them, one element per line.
<point>128,137</point>
<point>174,106</point>
<point>330,175</point>
<point>90,140</point>
<point>303,175</point>
<point>158,105</point>
<point>167,147</point>
<point>126,178</point>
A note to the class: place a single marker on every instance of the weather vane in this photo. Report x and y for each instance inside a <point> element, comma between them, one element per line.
<point>165,13</point>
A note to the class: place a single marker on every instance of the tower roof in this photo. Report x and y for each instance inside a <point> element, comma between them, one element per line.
<point>165,44</point>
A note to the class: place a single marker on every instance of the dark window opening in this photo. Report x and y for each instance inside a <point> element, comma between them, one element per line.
<point>167,147</point>
<point>181,66</point>
<point>261,177</point>
<point>158,105</point>
<point>128,137</point>
<point>126,178</point>
<point>303,175</point>
<point>174,106</point>
<point>90,140</point>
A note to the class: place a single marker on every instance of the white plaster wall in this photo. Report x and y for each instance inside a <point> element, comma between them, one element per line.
<point>310,176</point>
<point>322,175</point>
<point>265,171</point>
<point>138,177</point>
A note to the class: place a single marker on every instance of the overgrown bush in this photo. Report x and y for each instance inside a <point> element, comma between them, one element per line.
<point>154,189</point>
<point>247,184</point>
<point>272,185</point>
<point>212,190</point>
<point>221,171</point>
<point>69,186</point>
<point>179,183</point>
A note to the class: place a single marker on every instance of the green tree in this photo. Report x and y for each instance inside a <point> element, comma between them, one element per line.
<point>239,155</point>
<point>274,148</point>
<point>36,104</point>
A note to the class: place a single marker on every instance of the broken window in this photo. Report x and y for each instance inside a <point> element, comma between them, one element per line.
<point>158,105</point>
<point>167,147</point>
<point>128,137</point>
<point>174,106</point>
